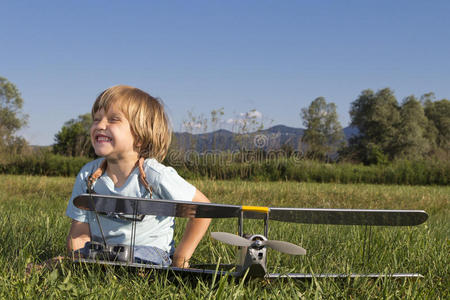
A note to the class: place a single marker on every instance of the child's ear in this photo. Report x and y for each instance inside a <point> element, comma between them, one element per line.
<point>137,141</point>
<point>138,145</point>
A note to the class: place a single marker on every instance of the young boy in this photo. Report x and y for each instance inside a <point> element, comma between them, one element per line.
<point>131,134</point>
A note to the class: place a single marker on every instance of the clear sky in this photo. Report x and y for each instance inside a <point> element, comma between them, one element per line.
<point>273,56</point>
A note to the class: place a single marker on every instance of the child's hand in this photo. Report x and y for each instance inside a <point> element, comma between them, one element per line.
<point>180,262</point>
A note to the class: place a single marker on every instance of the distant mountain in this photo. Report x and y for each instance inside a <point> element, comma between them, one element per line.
<point>350,131</point>
<point>270,138</point>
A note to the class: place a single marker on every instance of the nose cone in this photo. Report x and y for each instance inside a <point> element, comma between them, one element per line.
<point>258,244</point>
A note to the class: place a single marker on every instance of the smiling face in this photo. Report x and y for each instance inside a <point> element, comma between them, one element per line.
<point>147,121</point>
<point>111,135</point>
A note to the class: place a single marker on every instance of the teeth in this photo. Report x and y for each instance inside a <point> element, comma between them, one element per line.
<point>103,139</point>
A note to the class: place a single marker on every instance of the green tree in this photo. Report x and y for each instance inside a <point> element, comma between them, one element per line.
<point>323,134</point>
<point>412,141</point>
<point>438,112</point>
<point>12,117</point>
<point>377,117</point>
<point>74,138</point>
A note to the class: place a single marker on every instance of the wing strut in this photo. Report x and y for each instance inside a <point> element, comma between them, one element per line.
<point>133,233</point>
<point>241,223</point>
<point>266,225</point>
<point>369,241</point>
<point>97,218</point>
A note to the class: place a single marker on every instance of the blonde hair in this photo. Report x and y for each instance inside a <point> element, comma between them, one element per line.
<point>148,121</point>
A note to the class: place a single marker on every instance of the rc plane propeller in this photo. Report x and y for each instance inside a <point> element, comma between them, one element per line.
<point>236,240</point>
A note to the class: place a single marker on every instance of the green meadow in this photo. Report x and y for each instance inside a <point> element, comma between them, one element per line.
<point>34,228</point>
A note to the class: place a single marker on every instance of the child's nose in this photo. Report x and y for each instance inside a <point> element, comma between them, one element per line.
<point>101,124</point>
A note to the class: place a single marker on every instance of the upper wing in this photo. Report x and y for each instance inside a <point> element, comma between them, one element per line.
<point>143,206</point>
<point>174,208</point>
<point>375,217</point>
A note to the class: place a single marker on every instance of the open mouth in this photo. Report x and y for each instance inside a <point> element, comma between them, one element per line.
<point>102,138</point>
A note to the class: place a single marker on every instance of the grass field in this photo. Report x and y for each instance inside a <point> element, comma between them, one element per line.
<point>34,228</point>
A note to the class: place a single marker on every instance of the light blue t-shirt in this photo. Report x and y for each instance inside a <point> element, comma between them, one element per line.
<point>156,231</point>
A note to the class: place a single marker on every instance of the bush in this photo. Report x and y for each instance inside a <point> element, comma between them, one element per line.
<point>44,164</point>
<point>228,167</point>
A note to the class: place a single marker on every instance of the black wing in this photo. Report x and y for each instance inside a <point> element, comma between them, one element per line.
<point>143,206</point>
<point>176,208</point>
<point>374,217</point>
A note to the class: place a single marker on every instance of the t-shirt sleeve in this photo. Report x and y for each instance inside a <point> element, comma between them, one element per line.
<point>72,211</point>
<point>174,187</point>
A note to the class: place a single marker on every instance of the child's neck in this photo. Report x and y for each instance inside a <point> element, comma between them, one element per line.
<point>119,170</point>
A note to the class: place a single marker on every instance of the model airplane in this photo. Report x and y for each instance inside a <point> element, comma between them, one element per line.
<point>252,257</point>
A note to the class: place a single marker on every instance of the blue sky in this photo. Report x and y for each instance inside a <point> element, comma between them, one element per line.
<point>273,56</point>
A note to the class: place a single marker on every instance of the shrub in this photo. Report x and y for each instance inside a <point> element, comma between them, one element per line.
<point>229,167</point>
<point>45,163</point>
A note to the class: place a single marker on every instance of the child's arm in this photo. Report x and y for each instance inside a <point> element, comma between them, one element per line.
<point>79,234</point>
<point>195,229</point>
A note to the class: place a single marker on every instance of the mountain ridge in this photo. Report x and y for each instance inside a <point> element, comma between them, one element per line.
<point>271,138</point>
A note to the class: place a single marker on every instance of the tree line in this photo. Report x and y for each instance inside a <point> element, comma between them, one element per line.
<point>387,129</point>
<point>416,128</point>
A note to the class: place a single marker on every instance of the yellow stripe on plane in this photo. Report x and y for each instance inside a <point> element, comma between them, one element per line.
<point>260,209</point>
